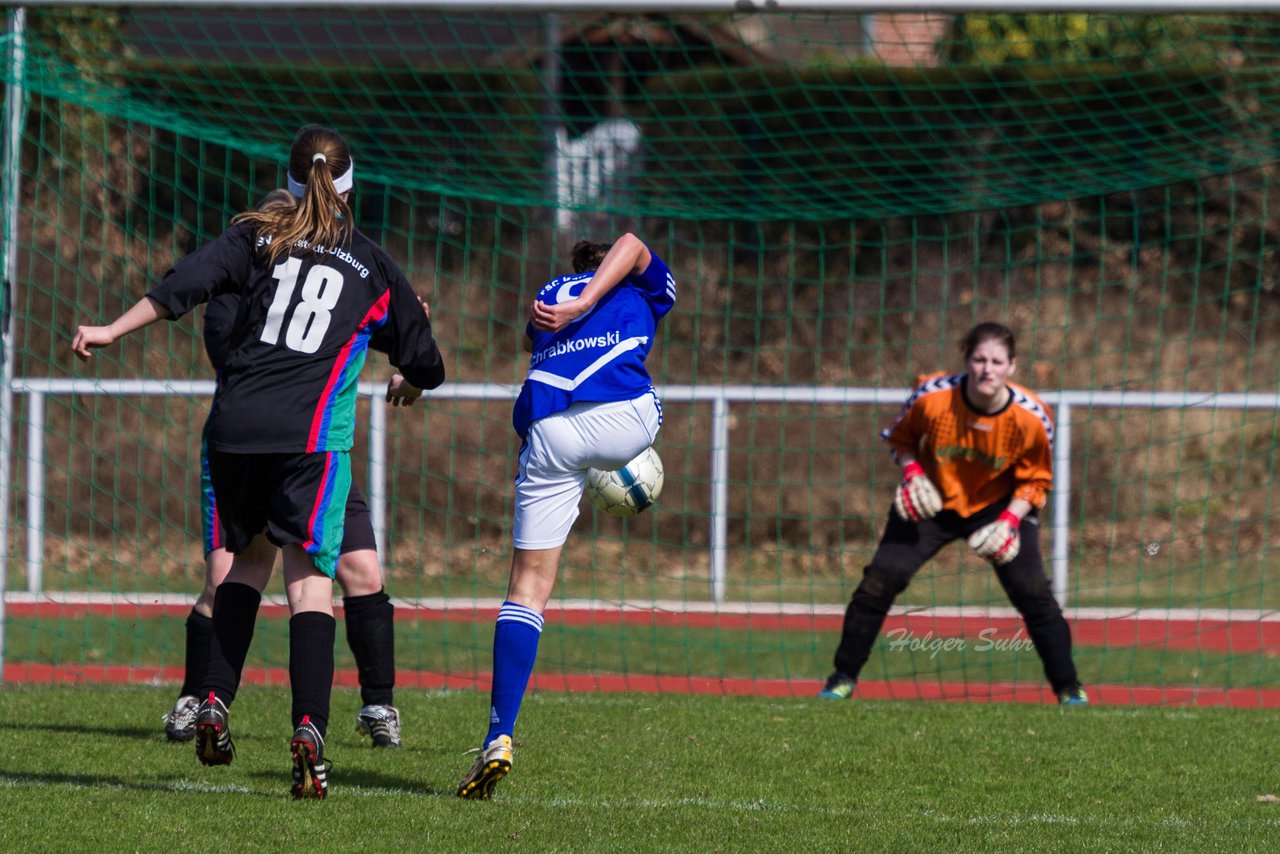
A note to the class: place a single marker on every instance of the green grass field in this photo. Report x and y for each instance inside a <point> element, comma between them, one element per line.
<point>88,768</point>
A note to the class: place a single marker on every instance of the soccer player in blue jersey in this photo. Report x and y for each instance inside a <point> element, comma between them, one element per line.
<point>586,403</point>
<point>313,290</point>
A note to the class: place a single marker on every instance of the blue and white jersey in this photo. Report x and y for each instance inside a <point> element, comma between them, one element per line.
<point>599,357</point>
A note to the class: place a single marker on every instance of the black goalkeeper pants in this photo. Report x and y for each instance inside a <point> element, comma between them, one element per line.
<point>906,546</point>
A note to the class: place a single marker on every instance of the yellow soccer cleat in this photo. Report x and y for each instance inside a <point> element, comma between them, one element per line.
<point>493,763</point>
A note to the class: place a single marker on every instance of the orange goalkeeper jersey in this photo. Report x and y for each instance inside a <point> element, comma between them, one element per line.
<point>976,459</point>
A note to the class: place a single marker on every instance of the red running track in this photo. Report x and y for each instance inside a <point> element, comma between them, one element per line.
<point>1258,635</point>
<point>1131,695</point>
<point>1239,636</point>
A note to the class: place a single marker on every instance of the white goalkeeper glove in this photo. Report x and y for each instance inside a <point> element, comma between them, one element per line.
<point>998,542</point>
<point>917,498</point>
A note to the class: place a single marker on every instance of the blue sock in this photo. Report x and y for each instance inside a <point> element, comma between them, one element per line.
<point>515,646</point>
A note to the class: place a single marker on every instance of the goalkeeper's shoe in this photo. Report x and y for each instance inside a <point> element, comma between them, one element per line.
<point>381,724</point>
<point>838,687</point>
<point>213,736</point>
<point>1073,696</point>
<point>310,769</point>
<point>493,763</point>
<point>180,721</point>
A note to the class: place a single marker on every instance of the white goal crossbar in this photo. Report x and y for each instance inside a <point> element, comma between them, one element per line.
<point>739,7</point>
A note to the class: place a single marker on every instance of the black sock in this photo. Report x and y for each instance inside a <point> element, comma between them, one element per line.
<point>311,636</point>
<point>235,609</point>
<point>199,637</point>
<point>372,638</point>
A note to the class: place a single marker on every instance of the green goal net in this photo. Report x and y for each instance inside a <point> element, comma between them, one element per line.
<point>840,195</point>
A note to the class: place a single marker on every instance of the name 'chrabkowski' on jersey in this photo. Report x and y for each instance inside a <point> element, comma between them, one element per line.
<point>300,336</point>
<point>600,356</point>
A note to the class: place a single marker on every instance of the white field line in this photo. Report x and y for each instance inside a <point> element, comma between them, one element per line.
<point>796,704</point>
<point>676,606</point>
<point>14,781</point>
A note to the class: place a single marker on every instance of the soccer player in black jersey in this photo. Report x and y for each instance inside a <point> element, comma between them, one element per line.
<point>313,290</point>
<point>366,605</point>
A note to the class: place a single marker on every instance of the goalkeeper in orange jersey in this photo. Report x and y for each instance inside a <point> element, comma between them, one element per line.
<point>977,463</point>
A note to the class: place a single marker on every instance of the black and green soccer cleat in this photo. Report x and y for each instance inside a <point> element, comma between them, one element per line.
<point>1073,696</point>
<point>838,687</point>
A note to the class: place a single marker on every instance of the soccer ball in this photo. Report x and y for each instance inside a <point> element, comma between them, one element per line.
<point>630,489</point>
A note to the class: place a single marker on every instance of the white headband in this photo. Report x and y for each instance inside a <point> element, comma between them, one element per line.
<point>342,183</point>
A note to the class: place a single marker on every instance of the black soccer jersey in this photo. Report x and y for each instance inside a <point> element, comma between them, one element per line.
<point>300,336</point>
<point>219,320</point>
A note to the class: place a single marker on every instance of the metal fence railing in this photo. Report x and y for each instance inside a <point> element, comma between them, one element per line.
<point>720,399</point>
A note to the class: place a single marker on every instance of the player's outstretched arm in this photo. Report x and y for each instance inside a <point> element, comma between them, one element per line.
<point>407,339</point>
<point>145,312</point>
<point>628,256</point>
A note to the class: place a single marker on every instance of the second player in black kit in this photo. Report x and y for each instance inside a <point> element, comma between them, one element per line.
<point>370,614</point>
<point>313,290</point>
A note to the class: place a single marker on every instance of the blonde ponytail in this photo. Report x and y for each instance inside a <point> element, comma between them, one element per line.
<point>322,217</point>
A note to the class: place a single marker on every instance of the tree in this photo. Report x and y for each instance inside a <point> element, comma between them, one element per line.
<point>1078,37</point>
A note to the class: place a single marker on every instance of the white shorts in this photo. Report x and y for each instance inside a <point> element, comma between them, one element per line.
<point>559,450</point>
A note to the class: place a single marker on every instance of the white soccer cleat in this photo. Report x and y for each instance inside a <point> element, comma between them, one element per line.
<point>180,721</point>
<point>381,724</point>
